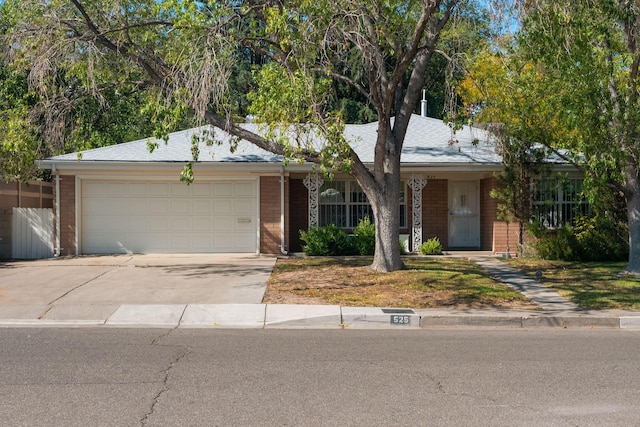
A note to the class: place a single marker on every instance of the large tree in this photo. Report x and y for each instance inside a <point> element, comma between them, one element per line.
<point>188,51</point>
<point>570,82</point>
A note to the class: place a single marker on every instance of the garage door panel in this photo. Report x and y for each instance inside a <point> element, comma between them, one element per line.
<point>137,206</point>
<point>113,189</point>
<point>222,189</point>
<point>180,224</point>
<point>180,190</point>
<point>222,224</point>
<point>137,224</point>
<point>158,189</point>
<point>203,224</point>
<point>201,241</point>
<point>244,240</point>
<point>180,207</point>
<point>201,207</point>
<point>201,190</point>
<point>244,224</point>
<point>157,224</point>
<point>138,190</point>
<point>159,242</point>
<point>168,217</point>
<point>159,206</point>
<point>109,206</point>
<point>244,207</point>
<point>244,190</point>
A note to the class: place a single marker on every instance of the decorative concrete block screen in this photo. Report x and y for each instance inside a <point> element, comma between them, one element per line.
<point>32,233</point>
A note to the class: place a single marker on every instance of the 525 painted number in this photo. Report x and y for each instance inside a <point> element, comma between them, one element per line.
<point>398,319</point>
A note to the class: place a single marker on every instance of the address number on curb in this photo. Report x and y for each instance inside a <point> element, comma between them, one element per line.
<point>399,319</point>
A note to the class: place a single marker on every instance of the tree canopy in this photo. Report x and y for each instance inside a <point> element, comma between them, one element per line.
<point>191,58</point>
<point>569,82</point>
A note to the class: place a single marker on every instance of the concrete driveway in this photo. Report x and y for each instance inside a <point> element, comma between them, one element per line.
<point>93,287</point>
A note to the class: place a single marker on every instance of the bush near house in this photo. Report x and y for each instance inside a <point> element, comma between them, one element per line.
<point>431,247</point>
<point>590,239</point>
<point>364,237</point>
<point>329,240</point>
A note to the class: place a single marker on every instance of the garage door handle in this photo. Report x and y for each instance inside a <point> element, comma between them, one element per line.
<point>244,220</point>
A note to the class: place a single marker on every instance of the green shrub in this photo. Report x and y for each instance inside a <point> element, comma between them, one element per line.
<point>560,244</point>
<point>403,248</point>
<point>431,247</point>
<point>601,239</point>
<point>329,240</point>
<point>591,239</point>
<point>364,237</point>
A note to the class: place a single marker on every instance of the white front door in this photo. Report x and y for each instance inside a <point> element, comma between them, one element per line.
<point>464,214</point>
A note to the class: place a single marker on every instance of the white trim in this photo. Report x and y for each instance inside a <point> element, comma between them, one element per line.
<point>58,244</point>
<point>78,222</point>
<point>259,220</point>
<point>417,184</point>
<point>176,179</point>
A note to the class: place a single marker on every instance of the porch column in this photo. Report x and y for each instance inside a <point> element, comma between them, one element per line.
<point>313,182</point>
<point>416,183</point>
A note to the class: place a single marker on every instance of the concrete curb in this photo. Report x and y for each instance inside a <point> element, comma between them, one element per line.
<point>290,316</point>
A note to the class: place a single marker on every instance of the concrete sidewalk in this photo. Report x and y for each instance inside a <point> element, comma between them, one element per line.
<point>272,316</point>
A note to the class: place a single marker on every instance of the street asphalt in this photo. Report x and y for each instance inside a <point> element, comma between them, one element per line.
<point>226,291</point>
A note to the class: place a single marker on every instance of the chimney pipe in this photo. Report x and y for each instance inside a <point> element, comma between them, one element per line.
<point>423,104</point>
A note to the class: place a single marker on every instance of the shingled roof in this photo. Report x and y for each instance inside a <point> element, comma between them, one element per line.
<point>428,141</point>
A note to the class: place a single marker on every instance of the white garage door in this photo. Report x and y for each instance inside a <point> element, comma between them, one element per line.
<point>166,217</point>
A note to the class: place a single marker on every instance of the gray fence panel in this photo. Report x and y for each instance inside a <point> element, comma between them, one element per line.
<point>32,233</point>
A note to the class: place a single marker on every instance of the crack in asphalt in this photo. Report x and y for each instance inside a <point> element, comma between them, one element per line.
<point>165,380</point>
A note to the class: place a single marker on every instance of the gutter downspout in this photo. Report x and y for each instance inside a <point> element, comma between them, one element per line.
<point>53,170</point>
<point>283,249</point>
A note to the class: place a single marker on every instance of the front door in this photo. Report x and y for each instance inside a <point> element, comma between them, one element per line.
<point>464,214</point>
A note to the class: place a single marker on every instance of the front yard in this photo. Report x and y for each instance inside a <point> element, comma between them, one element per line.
<point>425,283</point>
<point>445,283</point>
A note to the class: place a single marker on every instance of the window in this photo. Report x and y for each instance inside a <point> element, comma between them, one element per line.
<point>344,204</point>
<point>557,202</point>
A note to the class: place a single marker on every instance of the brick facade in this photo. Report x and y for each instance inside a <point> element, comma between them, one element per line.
<point>270,214</point>
<point>67,215</point>
<point>488,214</point>
<point>435,211</point>
<point>299,213</point>
<point>493,232</point>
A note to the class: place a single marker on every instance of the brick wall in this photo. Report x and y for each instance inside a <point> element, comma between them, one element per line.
<point>435,211</point>
<point>298,213</point>
<point>68,215</point>
<point>488,215</point>
<point>270,214</point>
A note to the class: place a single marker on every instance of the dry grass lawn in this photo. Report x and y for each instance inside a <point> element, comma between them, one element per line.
<point>424,283</point>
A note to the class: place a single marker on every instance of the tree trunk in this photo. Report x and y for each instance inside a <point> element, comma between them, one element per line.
<point>633,214</point>
<point>386,211</point>
<point>387,253</point>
